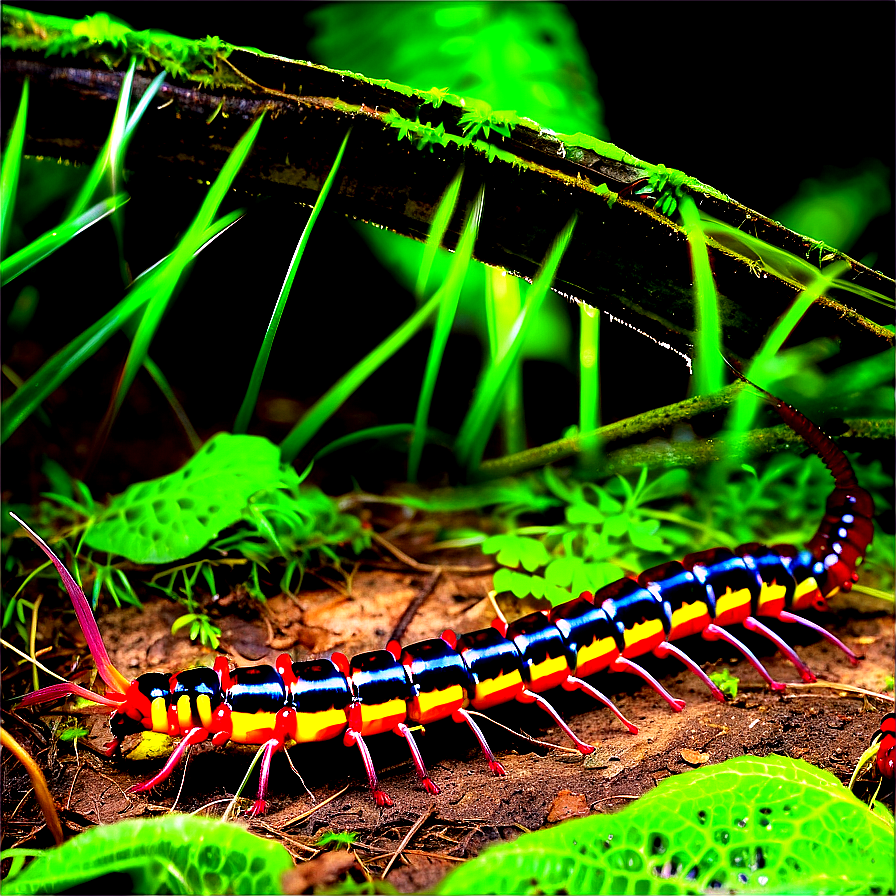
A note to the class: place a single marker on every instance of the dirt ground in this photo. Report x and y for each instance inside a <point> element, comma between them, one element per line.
<point>825,727</point>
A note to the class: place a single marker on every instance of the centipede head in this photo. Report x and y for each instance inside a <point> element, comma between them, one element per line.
<point>118,685</point>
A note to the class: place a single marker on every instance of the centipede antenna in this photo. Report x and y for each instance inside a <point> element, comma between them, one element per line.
<point>113,678</point>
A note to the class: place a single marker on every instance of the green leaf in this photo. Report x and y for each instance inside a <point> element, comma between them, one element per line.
<point>514,550</point>
<point>174,854</point>
<point>176,515</point>
<point>749,825</point>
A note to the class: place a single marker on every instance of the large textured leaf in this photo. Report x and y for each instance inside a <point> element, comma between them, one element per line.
<point>174,854</point>
<point>176,515</point>
<point>749,825</point>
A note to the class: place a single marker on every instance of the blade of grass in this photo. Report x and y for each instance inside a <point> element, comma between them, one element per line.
<point>503,304</point>
<point>440,221</point>
<point>21,404</point>
<point>166,280</point>
<point>12,163</point>
<point>450,293</point>
<point>329,402</point>
<point>748,403</point>
<point>589,383</point>
<point>708,361</point>
<point>379,433</point>
<point>244,415</point>
<point>48,243</point>
<point>480,419</point>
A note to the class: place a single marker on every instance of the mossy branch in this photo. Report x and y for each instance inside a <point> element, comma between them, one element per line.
<point>628,256</point>
<point>661,452</point>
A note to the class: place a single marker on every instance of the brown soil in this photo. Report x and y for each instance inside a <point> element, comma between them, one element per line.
<point>826,727</point>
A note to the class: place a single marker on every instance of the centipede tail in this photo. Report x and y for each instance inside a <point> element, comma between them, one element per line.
<point>400,688</point>
<point>886,745</point>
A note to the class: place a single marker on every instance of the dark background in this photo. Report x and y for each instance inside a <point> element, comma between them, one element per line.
<point>750,97</point>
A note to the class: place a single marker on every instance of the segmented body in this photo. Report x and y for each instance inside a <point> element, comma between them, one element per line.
<point>393,689</point>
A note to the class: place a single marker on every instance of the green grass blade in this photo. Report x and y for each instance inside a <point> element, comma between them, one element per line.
<point>101,165</point>
<point>490,393</point>
<point>760,369</point>
<point>48,243</point>
<point>329,403</point>
<point>450,293</point>
<point>440,221</point>
<point>244,415</point>
<point>21,404</point>
<point>165,281</point>
<point>12,163</point>
<point>589,382</point>
<point>164,387</point>
<point>708,361</point>
<point>480,419</point>
<point>503,304</point>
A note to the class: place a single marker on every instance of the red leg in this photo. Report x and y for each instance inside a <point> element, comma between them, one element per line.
<point>428,785</point>
<point>352,738</point>
<point>193,736</point>
<point>531,697</point>
<point>260,804</point>
<point>786,616</point>
<point>461,715</point>
<point>752,624</point>
<point>666,649</point>
<point>713,632</point>
<point>572,683</point>
<point>623,664</point>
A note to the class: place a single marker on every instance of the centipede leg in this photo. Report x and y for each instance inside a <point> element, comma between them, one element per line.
<point>528,696</point>
<point>428,784</point>
<point>572,683</point>
<point>260,804</point>
<point>713,632</point>
<point>666,649</point>
<point>461,715</point>
<point>353,738</point>
<point>751,623</point>
<point>623,664</point>
<point>787,616</point>
<point>193,736</point>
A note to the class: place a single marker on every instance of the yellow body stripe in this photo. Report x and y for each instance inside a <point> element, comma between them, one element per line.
<point>689,619</point>
<point>204,708</point>
<point>252,727</point>
<point>184,713</point>
<point>383,717</point>
<point>159,715</point>
<point>548,674</point>
<point>596,656</point>
<point>323,725</point>
<point>771,599</point>
<point>502,689</point>
<point>642,637</point>
<point>732,606</point>
<point>430,706</point>
<point>807,593</point>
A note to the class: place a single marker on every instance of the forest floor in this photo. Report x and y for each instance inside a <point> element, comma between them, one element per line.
<point>824,726</point>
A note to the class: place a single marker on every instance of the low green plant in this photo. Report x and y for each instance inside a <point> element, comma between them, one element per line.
<point>174,854</point>
<point>748,825</point>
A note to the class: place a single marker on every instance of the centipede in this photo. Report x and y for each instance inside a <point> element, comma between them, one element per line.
<point>400,688</point>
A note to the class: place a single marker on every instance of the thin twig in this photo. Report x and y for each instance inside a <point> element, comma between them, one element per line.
<point>311,812</point>
<point>39,782</point>
<point>418,600</point>
<point>407,838</point>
